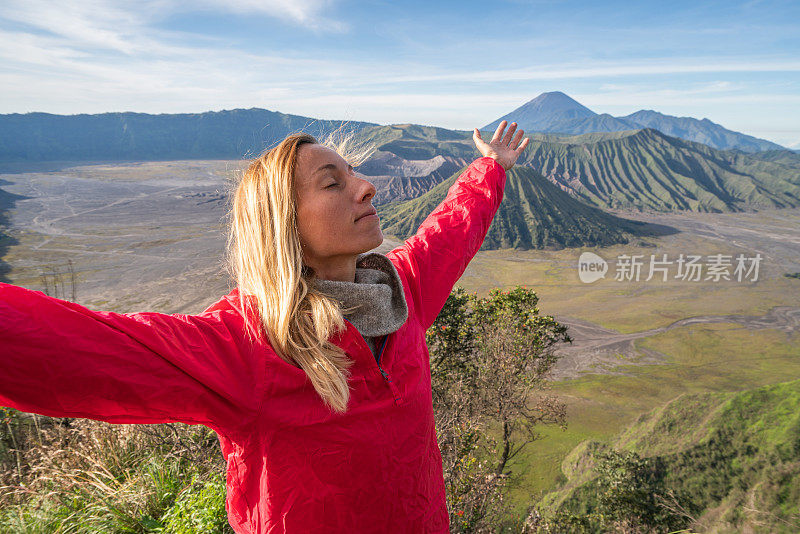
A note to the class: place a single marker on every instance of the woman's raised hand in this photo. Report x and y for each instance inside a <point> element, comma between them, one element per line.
<point>504,149</point>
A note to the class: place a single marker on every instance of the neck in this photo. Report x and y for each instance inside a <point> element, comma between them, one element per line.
<point>340,268</point>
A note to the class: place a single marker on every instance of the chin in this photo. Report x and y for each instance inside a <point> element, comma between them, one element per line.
<point>379,239</point>
<point>375,243</point>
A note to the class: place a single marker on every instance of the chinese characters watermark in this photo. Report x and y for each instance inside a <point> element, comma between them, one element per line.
<point>688,268</point>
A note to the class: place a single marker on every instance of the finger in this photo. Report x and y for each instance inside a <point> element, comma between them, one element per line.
<point>498,134</point>
<point>523,145</point>
<point>509,133</point>
<point>515,142</point>
<point>478,140</point>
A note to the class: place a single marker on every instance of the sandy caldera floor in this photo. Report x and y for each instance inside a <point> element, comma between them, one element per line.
<point>151,237</point>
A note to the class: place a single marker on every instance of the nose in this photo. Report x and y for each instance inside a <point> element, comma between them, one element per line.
<point>367,191</point>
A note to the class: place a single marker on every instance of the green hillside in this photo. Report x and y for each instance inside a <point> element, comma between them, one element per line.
<point>790,161</point>
<point>635,169</point>
<point>534,214</point>
<point>647,170</point>
<point>415,142</point>
<point>732,460</point>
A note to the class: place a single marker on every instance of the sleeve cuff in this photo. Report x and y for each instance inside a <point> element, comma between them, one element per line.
<point>489,164</point>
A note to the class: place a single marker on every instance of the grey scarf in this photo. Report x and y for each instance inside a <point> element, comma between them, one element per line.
<point>375,303</point>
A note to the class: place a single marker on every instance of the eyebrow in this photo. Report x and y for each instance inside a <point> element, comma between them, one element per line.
<point>327,166</point>
<point>330,166</point>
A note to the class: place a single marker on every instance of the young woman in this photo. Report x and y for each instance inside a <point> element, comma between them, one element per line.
<point>326,422</point>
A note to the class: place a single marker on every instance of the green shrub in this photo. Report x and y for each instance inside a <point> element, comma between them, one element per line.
<point>201,511</point>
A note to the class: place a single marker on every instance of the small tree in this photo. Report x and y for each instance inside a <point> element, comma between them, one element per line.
<point>490,363</point>
<point>628,496</point>
<point>628,487</point>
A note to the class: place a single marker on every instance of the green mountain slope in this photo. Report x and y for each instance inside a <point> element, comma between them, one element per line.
<point>534,214</point>
<point>787,159</point>
<point>415,142</point>
<point>648,170</point>
<point>635,169</point>
<point>731,459</point>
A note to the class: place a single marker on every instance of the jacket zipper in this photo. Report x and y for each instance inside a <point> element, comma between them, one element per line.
<point>384,374</point>
<point>378,359</point>
<point>395,393</point>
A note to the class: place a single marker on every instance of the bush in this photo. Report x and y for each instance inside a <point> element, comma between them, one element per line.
<point>200,511</point>
<point>88,476</point>
<point>490,363</point>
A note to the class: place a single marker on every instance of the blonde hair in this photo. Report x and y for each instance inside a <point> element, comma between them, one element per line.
<point>265,258</point>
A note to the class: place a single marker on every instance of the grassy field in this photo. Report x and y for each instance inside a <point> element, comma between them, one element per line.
<point>717,357</point>
<point>628,306</point>
<point>722,356</point>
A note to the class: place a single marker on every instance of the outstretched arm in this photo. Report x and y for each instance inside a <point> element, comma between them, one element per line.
<point>436,256</point>
<point>61,359</point>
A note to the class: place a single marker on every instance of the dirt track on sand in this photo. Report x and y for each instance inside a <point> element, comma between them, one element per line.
<point>598,349</point>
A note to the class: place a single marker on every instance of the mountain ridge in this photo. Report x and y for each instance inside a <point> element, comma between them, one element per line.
<point>642,170</point>
<point>534,214</point>
<point>556,112</point>
<point>648,170</point>
<point>128,136</point>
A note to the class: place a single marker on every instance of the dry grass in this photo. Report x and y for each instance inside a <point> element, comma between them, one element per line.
<point>78,475</point>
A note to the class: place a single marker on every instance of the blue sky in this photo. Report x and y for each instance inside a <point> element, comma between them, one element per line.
<point>451,64</point>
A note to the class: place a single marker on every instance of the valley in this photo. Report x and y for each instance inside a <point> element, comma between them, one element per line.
<point>150,237</point>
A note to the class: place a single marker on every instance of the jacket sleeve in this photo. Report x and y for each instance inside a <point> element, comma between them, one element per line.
<point>436,256</point>
<point>60,359</point>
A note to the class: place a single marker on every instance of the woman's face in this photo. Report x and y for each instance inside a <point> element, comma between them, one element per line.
<point>331,203</point>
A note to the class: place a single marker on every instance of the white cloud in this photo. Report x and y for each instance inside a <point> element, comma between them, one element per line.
<point>126,27</point>
<point>642,67</point>
<point>99,55</point>
<point>92,24</point>
<point>308,13</point>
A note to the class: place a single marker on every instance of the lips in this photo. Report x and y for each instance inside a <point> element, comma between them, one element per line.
<point>373,211</point>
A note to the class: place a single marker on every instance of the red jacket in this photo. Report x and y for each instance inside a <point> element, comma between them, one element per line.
<point>292,465</point>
